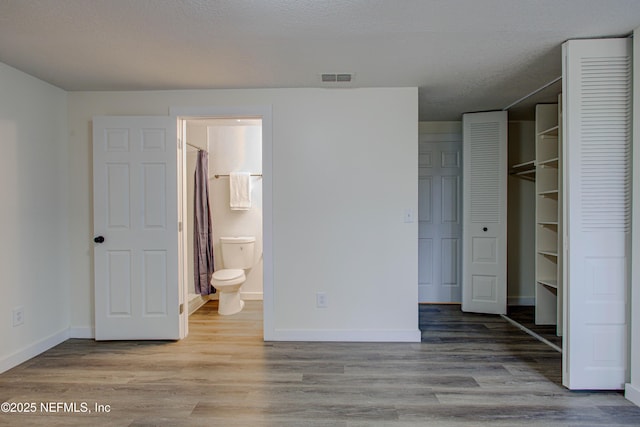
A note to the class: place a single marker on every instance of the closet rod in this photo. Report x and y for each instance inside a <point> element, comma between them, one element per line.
<point>532,93</point>
<point>253,174</point>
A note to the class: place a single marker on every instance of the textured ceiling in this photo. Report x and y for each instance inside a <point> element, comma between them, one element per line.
<point>464,55</point>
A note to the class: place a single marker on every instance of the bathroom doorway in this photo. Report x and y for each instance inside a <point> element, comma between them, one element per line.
<point>237,140</point>
<point>233,145</point>
<point>263,113</point>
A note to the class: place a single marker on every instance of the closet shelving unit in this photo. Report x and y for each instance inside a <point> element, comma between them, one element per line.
<point>548,292</point>
<point>545,170</point>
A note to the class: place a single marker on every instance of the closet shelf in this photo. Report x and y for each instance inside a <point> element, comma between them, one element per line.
<point>549,163</point>
<point>526,170</point>
<point>531,164</point>
<point>549,253</point>
<point>551,283</point>
<point>548,223</point>
<point>551,132</point>
<point>548,193</point>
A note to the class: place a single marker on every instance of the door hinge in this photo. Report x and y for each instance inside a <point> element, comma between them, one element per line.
<point>181,308</point>
<point>179,226</point>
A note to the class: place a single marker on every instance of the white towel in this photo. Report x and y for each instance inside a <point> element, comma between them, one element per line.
<point>240,191</point>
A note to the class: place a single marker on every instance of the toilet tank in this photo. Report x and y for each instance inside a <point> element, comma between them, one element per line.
<point>238,252</point>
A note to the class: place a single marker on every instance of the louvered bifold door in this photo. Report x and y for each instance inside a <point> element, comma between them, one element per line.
<point>484,234</point>
<point>597,211</point>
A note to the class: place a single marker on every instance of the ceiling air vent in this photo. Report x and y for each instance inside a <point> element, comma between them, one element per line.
<point>333,78</point>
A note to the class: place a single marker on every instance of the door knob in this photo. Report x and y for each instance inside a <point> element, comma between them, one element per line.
<point>98,239</point>
<point>485,229</point>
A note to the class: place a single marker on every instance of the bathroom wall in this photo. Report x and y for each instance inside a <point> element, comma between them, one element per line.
<point>34,216</point>
<point>236,146</point>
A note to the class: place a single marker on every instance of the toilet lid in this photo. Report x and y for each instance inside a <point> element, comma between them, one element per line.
<point>228,274</point>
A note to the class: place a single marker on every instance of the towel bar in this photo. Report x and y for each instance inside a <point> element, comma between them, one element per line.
<point>253,174</point>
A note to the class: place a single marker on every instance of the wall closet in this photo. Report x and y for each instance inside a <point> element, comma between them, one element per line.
<point>546,171</point>
<point>582,173</point>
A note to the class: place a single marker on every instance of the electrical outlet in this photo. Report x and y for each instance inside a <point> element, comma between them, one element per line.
<point>408,215</point>
<point>321,300</point>
<point>18,316</point>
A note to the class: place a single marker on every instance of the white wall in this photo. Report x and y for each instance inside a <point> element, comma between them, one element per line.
<point>344,169</point>
<point>521,210</point>
<point>34,252</point>
<point>237,147</point>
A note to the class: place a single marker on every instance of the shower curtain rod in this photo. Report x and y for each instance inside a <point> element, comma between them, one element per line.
<point>253,174</point>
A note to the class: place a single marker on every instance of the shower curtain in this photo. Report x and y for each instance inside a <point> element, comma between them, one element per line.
<point>202,230</point>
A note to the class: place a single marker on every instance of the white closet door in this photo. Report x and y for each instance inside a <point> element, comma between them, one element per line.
<point>597,209</point>
<point>136,228</point>
<point>484,234</point>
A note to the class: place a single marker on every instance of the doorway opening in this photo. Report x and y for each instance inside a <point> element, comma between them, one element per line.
<point>232,145</point>
<point>236,140</point>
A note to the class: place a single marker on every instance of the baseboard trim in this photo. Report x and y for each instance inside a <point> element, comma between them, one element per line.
<point>245,296</point>
<point>196,303</point>
<point>521,300</point>
<point>86,332</point>
<point>632,394</point>
<point>32,350</point>
<point>399,335</point>
<point>251,296</point>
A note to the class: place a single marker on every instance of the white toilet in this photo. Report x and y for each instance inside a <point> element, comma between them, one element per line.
<point>237,256</point>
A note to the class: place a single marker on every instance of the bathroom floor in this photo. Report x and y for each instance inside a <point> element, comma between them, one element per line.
<point>469,370</point>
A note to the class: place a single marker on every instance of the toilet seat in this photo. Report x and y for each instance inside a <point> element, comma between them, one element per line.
<point>227,274</point>
<point>227,277</point>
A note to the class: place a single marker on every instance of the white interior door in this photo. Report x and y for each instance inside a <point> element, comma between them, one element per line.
<point>597,211</point>
<point>484,255</point>
<point>440,222</point>
<point>135,189</point>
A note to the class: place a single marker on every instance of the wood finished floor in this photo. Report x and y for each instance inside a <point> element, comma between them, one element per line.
<point>470,370</point>
<point>525,315</point>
